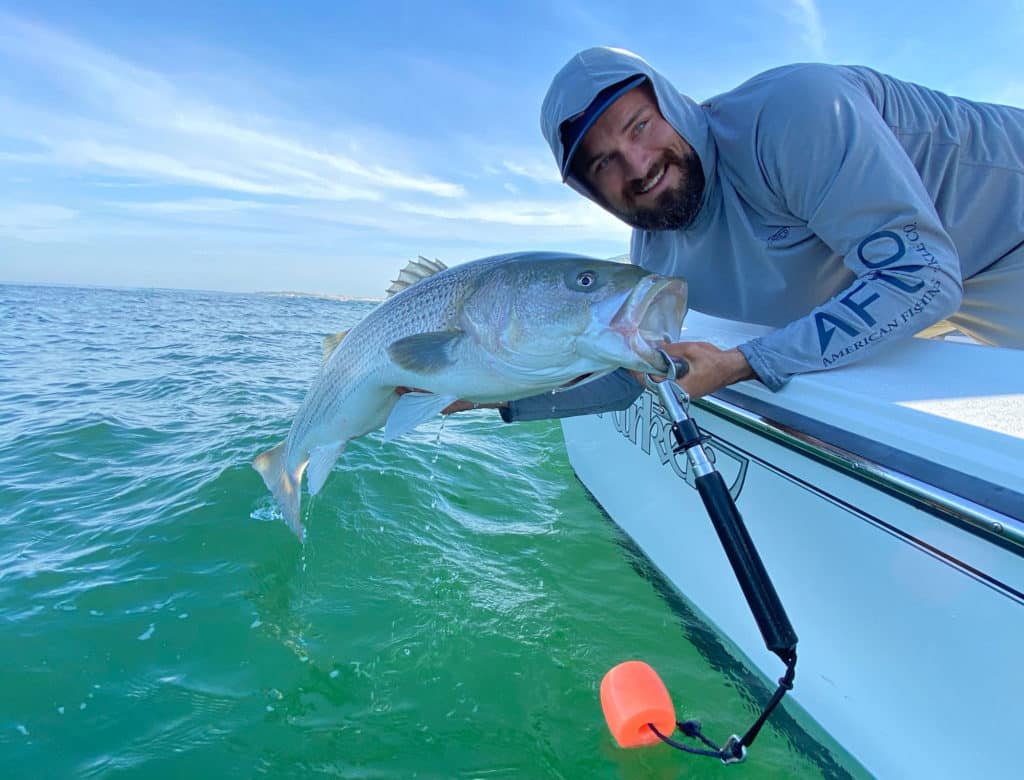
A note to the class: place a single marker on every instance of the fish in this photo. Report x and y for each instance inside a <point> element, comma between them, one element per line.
<point>492,330</point>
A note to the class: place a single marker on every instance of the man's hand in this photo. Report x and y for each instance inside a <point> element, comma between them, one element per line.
<point>711,368</point>
<point>455,406</point>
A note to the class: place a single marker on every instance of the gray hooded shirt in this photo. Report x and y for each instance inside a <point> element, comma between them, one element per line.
<point>841,206</point>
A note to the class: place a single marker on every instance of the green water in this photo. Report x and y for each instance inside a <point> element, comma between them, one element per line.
<point>451,614</point>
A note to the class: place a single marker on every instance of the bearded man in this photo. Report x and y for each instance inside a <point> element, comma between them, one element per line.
<point>844,208</point>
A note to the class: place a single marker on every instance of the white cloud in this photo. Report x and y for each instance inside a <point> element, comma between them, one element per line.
<point>545,172</point>
<point>264,178</point>
<point>517,221</point>
<point>1011,94</point>
<point>128,157</point>
<point>576,214</point>
<point>115,117</point>
<point>805,16</point>
<point>33,221</point>
<point>192,206</point>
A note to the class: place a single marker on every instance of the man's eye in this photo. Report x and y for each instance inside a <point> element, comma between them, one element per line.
<point>640,126</point>
<point>600,165</point>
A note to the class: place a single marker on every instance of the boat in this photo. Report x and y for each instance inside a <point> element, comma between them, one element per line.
<point>886,501</point>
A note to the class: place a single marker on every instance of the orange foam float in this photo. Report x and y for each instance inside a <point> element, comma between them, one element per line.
<point>632,696</point>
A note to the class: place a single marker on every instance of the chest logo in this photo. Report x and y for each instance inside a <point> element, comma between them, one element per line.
<point>779,235</point>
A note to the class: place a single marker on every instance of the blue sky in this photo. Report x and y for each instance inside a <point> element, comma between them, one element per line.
<point>318,146</point>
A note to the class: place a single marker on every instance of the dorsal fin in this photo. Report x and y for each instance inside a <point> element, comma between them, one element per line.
<point>331,343</point>
<point>417,270</point>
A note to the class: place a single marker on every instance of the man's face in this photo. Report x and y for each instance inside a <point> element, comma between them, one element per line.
<point>639,166</point>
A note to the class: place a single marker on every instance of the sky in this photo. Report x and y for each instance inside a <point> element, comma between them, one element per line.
<point>319,145</point>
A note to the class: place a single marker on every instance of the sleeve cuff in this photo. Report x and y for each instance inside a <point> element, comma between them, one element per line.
<point>771,379</point>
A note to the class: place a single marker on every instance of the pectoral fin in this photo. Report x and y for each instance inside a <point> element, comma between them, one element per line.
<point>426,353</point>
<point>413,409</point>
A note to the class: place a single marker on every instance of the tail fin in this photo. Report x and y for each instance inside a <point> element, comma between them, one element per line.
<point>286,486</point>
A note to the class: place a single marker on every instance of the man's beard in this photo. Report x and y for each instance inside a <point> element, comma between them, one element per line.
<point>675,208</point>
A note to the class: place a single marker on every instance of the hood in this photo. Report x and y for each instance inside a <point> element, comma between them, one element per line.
<point>590,71</point>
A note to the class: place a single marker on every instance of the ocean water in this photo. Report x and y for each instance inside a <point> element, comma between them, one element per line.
<point>451,614</point>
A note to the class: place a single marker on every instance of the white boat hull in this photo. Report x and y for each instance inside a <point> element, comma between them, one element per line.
<point>910,619</point>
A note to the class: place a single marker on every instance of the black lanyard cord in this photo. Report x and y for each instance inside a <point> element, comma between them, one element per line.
<point>765,604</point>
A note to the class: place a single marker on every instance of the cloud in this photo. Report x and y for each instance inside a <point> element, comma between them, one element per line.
<point>1010,94</point>
<point>575,215</point>
<point>99,113</point>
<point>265,177</point>
<point>804,15</point>
<point>556,219</point>
<point>33,221</point>
<point>545,172</point>
<point>111,157</point>
<point>192,206</point>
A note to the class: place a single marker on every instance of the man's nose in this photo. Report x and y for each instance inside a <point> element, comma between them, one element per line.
<point>637,159</point>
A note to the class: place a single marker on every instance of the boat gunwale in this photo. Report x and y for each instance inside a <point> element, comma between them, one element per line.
<point>981,507</point>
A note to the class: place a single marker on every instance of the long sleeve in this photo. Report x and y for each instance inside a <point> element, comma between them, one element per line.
<point>829,156</point>
<point>609,393</point>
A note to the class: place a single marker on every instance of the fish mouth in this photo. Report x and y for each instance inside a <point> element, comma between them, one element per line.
<point>651,316</point>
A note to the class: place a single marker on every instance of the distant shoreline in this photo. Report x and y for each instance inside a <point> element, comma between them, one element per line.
<point>324,296</point>
<point>130,288</point>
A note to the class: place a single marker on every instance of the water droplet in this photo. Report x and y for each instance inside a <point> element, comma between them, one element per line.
<point>147,633</point>
<point>60,710</point>
<point>82,706</point>
<point>256,623</point>
<point>333,674</point>
<point>22,730</point>
<point>437,438</point>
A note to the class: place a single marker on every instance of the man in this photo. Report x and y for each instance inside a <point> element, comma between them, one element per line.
<point>843,207</point>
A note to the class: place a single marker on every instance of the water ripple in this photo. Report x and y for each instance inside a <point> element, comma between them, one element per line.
<point>450,615</point>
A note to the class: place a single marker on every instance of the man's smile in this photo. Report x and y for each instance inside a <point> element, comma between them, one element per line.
<point>653,181</point>
<point>658,179</point>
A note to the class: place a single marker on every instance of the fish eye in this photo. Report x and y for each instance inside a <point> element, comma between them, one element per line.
<point>586,279</point>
